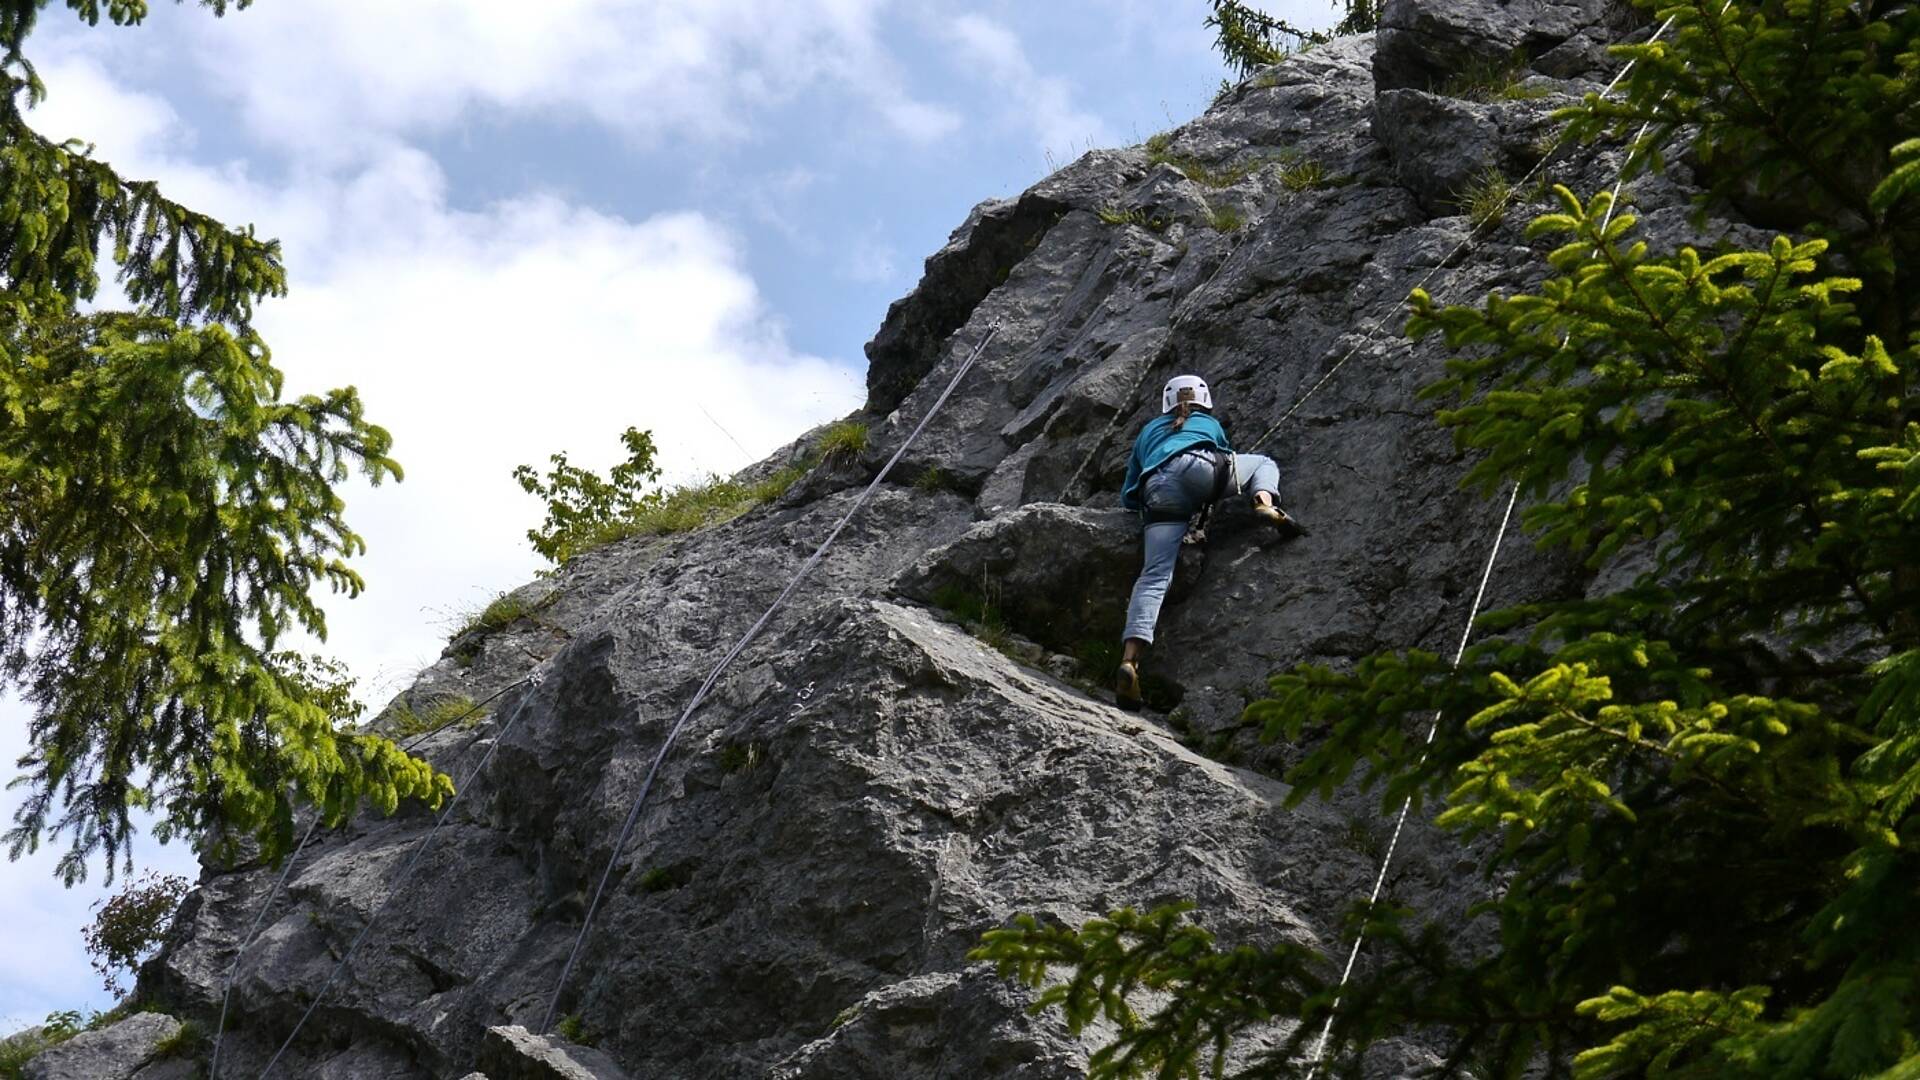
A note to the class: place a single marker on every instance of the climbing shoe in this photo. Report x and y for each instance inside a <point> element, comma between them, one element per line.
<point>1284,523</point>
<point>1126,686</point>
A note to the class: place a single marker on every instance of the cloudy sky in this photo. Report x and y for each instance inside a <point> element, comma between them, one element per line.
<point>519,228</point>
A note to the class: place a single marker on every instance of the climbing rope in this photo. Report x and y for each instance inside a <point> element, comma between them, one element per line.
<point>532,679</point>
<point>1121,411</point>
<point>1373,328</point>
<point>700,695</point>
<point>1318,1053</point>
<point>233,971</point>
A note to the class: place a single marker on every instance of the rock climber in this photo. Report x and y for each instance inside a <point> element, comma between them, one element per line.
<point>1181,464</point>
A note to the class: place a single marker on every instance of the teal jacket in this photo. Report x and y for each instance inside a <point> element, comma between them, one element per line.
<point>1158,442</point>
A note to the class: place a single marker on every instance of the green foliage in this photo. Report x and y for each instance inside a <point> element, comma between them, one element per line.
<point>406,721</point>
<point>1692,794</point>
<point>1250,39</point>
<point>167,515</point>
<point>574,1029</point>
<point>499,613</point>
<point>23,1046</point>
<point>1225,219</point>
<point>843,442</point>
<point>131,924</point>
<point>664,879</point>
<point>587,511</point>
<point>581,504</point>
<point>933,479</point>
<point>1494,81</point>
<point>1216,993</point>
<point>1198,171</point>
<point>1304,174</point>
<point>189,1040</point>
<point>684,509</point>
<point>1485,199</point>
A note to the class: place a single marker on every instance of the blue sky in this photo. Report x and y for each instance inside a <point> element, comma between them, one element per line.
<point>520,228</point>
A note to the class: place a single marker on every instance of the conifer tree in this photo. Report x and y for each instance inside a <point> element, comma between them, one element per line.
<point>165,514</point>
<point>1699,787</point>
<point>1250,39</point>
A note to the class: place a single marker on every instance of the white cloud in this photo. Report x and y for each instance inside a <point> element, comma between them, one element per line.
<point>339,79</point>
<point>1042,103</point>
<point>484,339</point>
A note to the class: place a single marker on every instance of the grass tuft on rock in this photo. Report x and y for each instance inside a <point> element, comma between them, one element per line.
<point>441,712</point>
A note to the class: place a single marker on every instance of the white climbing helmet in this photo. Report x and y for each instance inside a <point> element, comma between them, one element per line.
<point>1170,397</point>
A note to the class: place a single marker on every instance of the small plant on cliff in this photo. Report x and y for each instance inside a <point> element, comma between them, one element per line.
<point>583,507</point>
<point>842,443</point>
<point>574,1029</point>
<point>1485,199</point>
<point>128,926</point>
<point>499,613</point>
<point>1692,795</point>
<point>1250,39</point>
<point>586,510</point>
<point>1225,219</point>
<point>1497,80</point>
<point>1303,175</point>
<point>439,713</point>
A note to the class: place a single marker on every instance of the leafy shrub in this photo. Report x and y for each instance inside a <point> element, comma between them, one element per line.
<point>587,511</point>
<point>573,1029</point>
<point>130,925</point>
<point>580,503</point>
<point>1113,215</point>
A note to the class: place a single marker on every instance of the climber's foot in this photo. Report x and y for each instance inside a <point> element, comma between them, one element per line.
<point>1284,523</point>
<point>1126,686</point>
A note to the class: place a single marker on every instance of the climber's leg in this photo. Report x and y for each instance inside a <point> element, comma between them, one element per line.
<point>1162,543</point>
<point>1260,477</point>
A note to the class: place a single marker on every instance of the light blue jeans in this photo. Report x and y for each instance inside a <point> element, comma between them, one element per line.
<point>1182,485</point>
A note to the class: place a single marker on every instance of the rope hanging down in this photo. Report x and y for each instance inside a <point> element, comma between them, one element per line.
<point>406,874</point>
<point>1373,328</point>
<point>700,695</point>
<point>233,970</point>
<point>1318,1053</point>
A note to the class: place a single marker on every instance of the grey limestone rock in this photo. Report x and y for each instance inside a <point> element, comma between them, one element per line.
<point>514,1053</point>
<point>128,1050</point>
<point>870,787</point>
<point>1422,43</point>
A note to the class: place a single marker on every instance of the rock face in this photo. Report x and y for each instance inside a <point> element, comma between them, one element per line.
<point>136,1048</point>
<point>871,785</point>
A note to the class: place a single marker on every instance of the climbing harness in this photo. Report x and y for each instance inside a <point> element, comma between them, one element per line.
<point>700,695</point>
